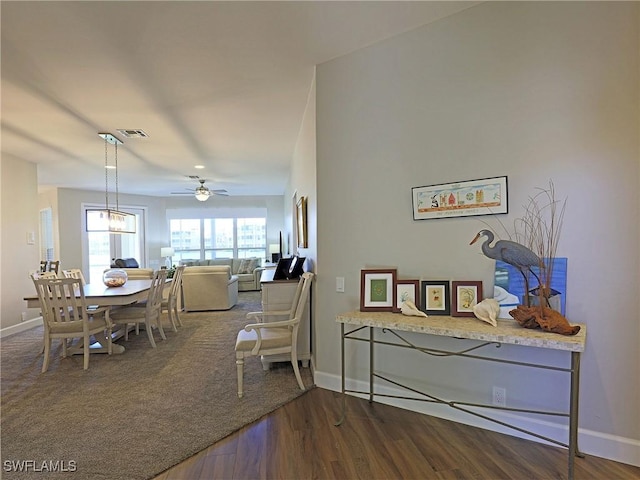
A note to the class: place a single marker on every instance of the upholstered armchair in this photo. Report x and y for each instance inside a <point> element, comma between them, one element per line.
<point>209,288</point>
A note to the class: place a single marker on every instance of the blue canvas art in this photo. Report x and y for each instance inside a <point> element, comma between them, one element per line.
<point>509,289</point>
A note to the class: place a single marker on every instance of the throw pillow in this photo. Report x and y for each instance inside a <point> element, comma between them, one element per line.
<point>247,265</point>
<point>244,263</point>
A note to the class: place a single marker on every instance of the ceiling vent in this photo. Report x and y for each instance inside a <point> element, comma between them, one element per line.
<point>133,133</point>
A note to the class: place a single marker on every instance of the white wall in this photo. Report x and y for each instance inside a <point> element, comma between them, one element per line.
<point>532,90</point>
<point>303,183</point>
<point>18,219</point>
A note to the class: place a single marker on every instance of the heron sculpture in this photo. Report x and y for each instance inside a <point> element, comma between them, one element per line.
<point>512,253</point>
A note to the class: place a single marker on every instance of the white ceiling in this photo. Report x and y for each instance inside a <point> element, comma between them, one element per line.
<point>220,84</point>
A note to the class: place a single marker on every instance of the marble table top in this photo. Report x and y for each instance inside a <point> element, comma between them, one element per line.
<point>507,331</point>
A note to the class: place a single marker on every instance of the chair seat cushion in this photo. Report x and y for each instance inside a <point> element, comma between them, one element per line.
<point>126,313</point>
<point>271,338</point>
<point>76,326</point>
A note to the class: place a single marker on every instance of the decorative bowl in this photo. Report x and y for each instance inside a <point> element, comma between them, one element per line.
<point>115,277</point>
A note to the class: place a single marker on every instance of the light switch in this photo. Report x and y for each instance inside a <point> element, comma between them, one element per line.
<point>340,284</point>
<point>31,238</point>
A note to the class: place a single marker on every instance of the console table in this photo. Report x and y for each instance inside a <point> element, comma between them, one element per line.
<point>506,332</point>
<point>278,295</point>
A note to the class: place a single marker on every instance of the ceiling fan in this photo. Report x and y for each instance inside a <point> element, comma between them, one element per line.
<point>201,192</point>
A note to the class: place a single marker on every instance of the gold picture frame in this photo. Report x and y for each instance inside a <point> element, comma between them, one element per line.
<point>301,223</point>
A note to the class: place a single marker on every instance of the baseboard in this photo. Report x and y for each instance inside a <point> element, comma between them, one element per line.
<point>611,447</point>
<point>20,327</point>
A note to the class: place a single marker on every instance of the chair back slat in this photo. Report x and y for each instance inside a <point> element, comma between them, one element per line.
<point>177,281</point>
<point>154,301</point>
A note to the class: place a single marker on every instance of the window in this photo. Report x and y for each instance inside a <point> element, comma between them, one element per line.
<point>210,238</point>
<point>46,234</point>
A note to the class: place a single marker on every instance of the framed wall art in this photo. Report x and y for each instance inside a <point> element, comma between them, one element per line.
<point>301,222</point>
<point>435,297</point>
<point>407,290</point>
<point>464,296</point>
<point>377,290</point>
<point>487,196</point>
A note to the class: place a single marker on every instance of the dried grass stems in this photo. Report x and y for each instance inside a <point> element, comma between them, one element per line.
<point>539,229</point>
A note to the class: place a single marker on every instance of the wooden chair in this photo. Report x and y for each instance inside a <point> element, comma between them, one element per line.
<point>41,274</point>
<point>274,338</point>
<point>49,266</point>
<point>150,314</point>
<point>170,304</point>
<point>75,273</point>
<point>65,315</point>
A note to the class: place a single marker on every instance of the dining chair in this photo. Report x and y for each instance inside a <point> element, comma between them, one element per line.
<point>149,315</point>
<point>275,337</point>
<point>74,273</point>
<point>39,275</point>
<point>65,316</point>
<point>170,304</point>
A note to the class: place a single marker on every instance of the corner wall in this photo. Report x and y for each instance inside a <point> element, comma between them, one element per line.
<point>536,91</point>
<point>17,219</point>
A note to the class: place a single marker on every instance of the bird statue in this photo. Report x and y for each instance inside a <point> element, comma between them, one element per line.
<point>512,253</point>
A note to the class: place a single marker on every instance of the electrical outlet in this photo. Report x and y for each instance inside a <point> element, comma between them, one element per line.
<point>23,317</point>
<point>499,396</point>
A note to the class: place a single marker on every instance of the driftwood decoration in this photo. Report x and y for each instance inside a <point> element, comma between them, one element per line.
<point>544,318</point>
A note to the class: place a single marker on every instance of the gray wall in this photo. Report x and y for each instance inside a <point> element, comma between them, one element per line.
<point>18,219</point>
<point>535,91</point>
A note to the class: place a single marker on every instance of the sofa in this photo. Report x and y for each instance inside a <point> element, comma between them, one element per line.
<point>248,270</point>
<point>138,273</point>
<point>209,287</point>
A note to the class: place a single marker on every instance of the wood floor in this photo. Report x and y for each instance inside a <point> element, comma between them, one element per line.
<point>300,441</point>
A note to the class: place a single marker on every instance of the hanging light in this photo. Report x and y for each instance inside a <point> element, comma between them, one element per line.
<point>107,219</point>
<point>202,193</point>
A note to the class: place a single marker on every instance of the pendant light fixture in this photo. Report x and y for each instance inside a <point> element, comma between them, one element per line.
<point>107,219</point>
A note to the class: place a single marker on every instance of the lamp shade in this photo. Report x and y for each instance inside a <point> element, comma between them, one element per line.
<point>166,252</point>
<point>274,248</point>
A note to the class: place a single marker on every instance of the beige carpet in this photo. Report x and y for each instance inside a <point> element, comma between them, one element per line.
<point>134,415</point>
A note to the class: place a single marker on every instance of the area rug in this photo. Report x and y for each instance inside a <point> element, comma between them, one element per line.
<point>132,416</point>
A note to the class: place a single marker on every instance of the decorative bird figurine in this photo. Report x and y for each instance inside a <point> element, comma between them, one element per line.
<point>512,253</point>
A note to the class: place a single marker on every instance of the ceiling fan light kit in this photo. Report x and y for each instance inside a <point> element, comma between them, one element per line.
<point>201,192</point>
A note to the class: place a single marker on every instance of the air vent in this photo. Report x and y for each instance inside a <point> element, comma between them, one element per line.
<point>133,133</point>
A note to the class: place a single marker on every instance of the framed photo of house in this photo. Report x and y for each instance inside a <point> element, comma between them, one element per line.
<point>464,296</point>
<point>301,222</point>
<point>487,196</point>
<point>407,290</point>
<point>435,297</point>
<point>378,290</point>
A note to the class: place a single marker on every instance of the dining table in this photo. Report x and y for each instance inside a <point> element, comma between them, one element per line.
<point>100,295</point>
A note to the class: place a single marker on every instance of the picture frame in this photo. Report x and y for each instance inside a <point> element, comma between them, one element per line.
<point>296,268</point>
<point>407,290</point>
<point>464,296</point>
<point>435,297</point>
<point>301,222</point>
<point>378,290</point>
<point>486,196</point>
